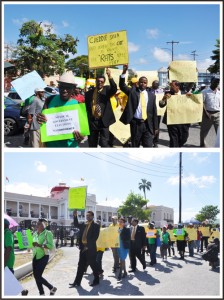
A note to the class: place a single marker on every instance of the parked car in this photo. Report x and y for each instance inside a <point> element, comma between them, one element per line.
<point>14,96</point>
<point>12,119</point>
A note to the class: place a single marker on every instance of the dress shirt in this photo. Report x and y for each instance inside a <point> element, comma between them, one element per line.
<point>211,99</point>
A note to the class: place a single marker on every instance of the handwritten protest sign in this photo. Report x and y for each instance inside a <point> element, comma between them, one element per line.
<point>150,75</point>
<point>25,239</point>
<point>205,231</point>
<point>108,49</point>
<point>160,110</point>
<point>77,198</point>
<point>172,237</point>
<point>62,121</point>
<point>108,238</point>
<point>26,84</point>
<point>183,71</point>
<point>192,233</point>
<point>182,109</point>
<point>118,129</point>
<point>80,82</point>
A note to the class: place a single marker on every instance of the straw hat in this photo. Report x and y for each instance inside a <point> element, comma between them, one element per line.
<point>68,78</point>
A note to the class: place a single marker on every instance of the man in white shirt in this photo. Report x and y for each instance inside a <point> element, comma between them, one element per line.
<point>211,112</point>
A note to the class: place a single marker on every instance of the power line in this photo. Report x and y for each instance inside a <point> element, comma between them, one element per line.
<point>194,53</point>
<point>172,42</point>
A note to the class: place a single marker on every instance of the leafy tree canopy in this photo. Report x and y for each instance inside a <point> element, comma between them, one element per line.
<point>42,50</point>
<point>208,212</point>
<point>215,68</point>
<point>133,206</point>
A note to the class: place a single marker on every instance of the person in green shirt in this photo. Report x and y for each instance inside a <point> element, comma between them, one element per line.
<point>164,243</point>
<point>42,243</point>
<point>9,255</point>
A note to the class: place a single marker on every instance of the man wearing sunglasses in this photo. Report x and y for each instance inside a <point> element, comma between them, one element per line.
<point>99,110</point>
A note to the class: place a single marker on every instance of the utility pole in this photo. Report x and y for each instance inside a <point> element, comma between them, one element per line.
<point>172,42</point>
<point>194,53</point>
<point>180,174</point>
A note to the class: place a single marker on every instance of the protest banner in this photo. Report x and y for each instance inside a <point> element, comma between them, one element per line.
<point>62,121</point>
<point>160,110</point>
<point>12,286</point>
<point>118,129</point>
<point>215,233</point>
<point>26,84</point>
<point>77,198</point>
<point>205,231</point>
<point>150,75</point>
<point>192,233</point>
<point>115,73</point>
<point>107,49</point>
<point>108,238</point>
<point>25,239</point>
<point>80,81</point>
<point>183,71</point>
<point>182,109</point>
<point>172,237</point>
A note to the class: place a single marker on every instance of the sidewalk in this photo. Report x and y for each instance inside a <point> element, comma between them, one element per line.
<point>189,277</point>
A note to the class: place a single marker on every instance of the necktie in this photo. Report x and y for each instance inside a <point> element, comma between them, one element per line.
<point>133,233</point>
<point>98,108</point>
<point>143,106</point>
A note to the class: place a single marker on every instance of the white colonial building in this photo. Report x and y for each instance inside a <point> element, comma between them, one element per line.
<point>29,208</point>
<point>161,215</point>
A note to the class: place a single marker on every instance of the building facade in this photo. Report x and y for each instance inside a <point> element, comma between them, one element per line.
<point>161,215</point>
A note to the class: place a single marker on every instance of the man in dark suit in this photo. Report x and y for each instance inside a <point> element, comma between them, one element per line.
<point>89,233</point>
<point>138,245</point>
<point>99,110</point>
<point>140,111</point>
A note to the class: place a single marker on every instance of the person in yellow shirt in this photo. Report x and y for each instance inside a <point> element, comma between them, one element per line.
<point>181,234</point>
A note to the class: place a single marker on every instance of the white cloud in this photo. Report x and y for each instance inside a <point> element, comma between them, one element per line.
<point>152,33</point>
<point>153,157</point>
<point>199,157</point>
<point>132,47</point>
<point>40,167</point>
<point>161,55</point>
<point>27,189</point>
<point>200,182</point>
<point>58,172</point>
<point>65,24</point>
<point>19,22</point>
<point>203,65</point>
<point>116,202</point>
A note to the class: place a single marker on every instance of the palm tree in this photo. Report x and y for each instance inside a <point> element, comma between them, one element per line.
<point>144,185</point>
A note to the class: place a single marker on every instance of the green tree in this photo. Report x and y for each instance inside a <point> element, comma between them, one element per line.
<point>42,50</point>
<point>133,206</point>
<point>208,212</point>
<point>215,68</point>
<point>145,185</point>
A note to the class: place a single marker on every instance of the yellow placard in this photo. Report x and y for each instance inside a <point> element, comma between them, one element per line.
<point>214,234</point>
<point>183,71</point>
<point>108,238</point>
<point>108,49</point>
<point>115,73</point>
<point>192,233</point>
<point>150,233</point>
<point>205,231</point>
<point>150,75</point>
<point>118,129</point>
<point>160,110</point>
<point>172,237</point>
<point>77,198</point>
<point>182,109</point>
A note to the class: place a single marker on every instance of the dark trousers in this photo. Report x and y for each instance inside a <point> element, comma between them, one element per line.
<point>156,137</point>
<point>178,134</point>
<point>152,251</point>
<point>39,266</point>
<point>86,258</point>
<point>72,241</point>
<point>140,134</point>
<point>134,252</point>
<point>98,134</point>
<point>204,241</point>
<point>99,257</point>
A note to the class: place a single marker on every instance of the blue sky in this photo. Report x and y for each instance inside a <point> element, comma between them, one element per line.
<point>112,175</point>
<point>149,27</point>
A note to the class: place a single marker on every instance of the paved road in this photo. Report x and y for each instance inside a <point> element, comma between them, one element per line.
<point>186,278</point>
<point>16,141</point>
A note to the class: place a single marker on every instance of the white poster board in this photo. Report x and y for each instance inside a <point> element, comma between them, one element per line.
<point>12,287</point>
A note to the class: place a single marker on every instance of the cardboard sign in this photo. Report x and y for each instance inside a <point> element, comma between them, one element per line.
<point>77,198</point>
<point>151,233</point>
<point>183,71</point>
<point>108,238</point>
<point>192,233</point>
<point>62,121</point>
<point>160,110</point>
<point>26,84</point>
<point>108,49</point>
<point>25,239</point>
<point>172,237</point>
<point>182,109</point>
<point>80,82</point>
<point>150,75</point>
<point>12,287</point>
<point>115,73</point>
<point>205,231</point>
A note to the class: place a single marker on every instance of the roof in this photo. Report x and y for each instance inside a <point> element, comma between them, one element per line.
<point>59,188</point>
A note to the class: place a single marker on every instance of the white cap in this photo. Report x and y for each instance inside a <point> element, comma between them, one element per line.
<point>39,90</point>
<point>68,78</point>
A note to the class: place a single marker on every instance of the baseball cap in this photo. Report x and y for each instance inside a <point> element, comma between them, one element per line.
<point>39,90</point>
<point>114,217</point>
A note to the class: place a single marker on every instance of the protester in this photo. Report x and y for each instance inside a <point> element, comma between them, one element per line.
<point>212,253</point>
<point>181,235</point>
<point>42,243</point>
<point>178,133</point>
<point>171,243</point>
<point>152,245</point>
<point>204,237</point>
<point>124,237</point>
<point>211,111</point>
<point>156,90</point>
<point>140,111</point>
<point>77,95</point>
<point>89,233</point>
<point>72,236</point>
<point>164,243</point>
<point>115,250</point>
<point>138,245</point>
<point>66,86</point>
<point>99,110</point>
<point>34,109</point>
<point>191,243</point>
